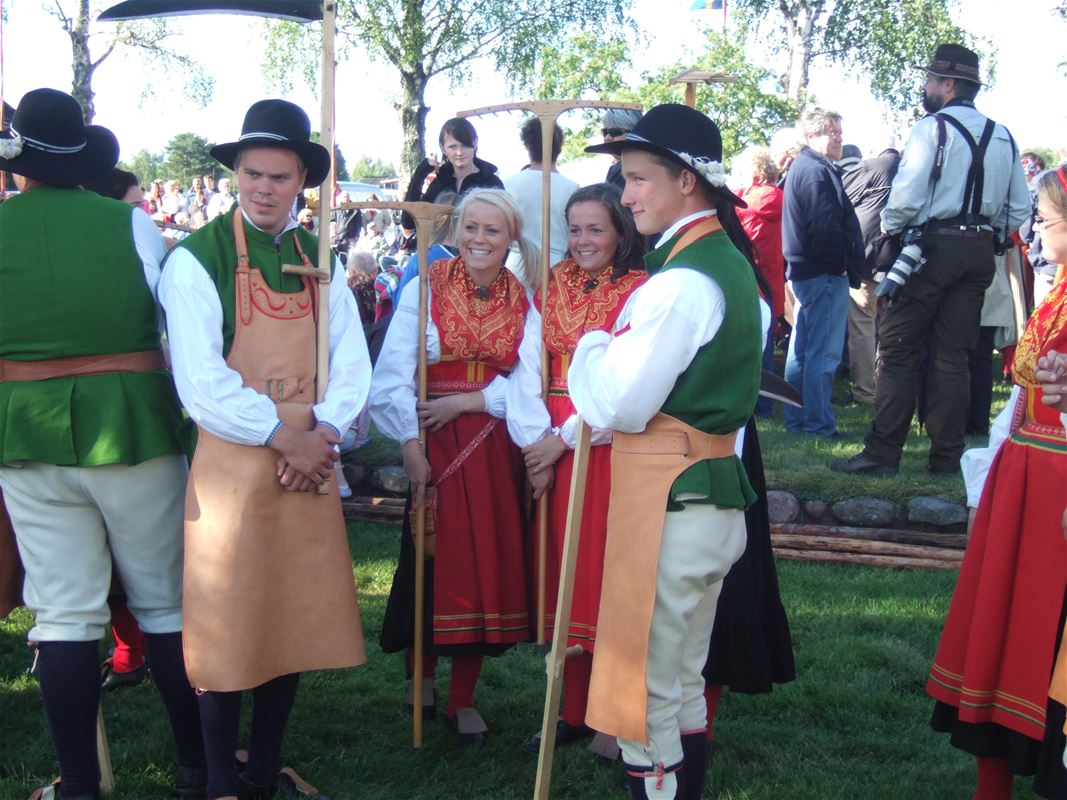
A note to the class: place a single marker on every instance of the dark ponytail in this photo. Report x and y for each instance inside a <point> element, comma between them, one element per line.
<point>731,224</point>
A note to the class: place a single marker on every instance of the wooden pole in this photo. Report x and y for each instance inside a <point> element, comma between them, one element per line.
<point>876,548</point>
<point>559,652</point>
<point>103,754</point>
<point>329,67</point>
<point>547,112</point>
<point>792,554</point>
<point>424,214</point>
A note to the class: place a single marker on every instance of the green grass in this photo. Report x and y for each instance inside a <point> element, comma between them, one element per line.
<point>853,725</point>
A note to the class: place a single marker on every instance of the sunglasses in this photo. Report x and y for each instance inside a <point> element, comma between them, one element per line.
<point>614,131</point>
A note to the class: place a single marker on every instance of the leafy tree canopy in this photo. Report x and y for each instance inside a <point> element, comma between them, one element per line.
<point>366,166</point>
<point>187,156</point>
<point>746,110</point>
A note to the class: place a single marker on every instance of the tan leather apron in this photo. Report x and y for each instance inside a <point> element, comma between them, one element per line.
<point>643,468</point>
<point>268,573</point>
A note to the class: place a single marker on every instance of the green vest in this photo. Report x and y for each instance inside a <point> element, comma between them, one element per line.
<point>72,284</point>
<point>717,392</point>
<point>215,249</point>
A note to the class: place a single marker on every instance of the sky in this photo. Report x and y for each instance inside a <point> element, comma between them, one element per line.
<point>1027,96</point>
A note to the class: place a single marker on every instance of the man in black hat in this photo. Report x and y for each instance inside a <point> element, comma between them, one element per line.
<point>961,188</point>
<point>675,383</point>
<point>268,577</point>
<point>91,468</point>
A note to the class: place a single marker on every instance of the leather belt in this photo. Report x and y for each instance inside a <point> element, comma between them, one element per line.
<point>963,233</point>
<point>143,361</point>
<point>704,447</point>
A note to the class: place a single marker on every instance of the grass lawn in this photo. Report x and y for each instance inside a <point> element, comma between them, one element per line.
<point>853,725</point>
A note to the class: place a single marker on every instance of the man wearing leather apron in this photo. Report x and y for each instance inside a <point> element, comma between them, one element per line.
<point>675,382</point>
<point>268,580</point>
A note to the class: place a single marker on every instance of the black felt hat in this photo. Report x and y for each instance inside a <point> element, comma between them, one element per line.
<point>278,123</point>
<point>954,61</point>
<point>49,141</point>
<point>683,135</point>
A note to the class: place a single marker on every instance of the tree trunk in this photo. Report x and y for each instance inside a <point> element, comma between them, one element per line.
<point>413,111</point>
<point>800,24</point>
<point>82,87</point>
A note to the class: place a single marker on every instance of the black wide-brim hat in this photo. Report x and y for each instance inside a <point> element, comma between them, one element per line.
<point>683,135</point>
<point>278,123</point>
<point>954,61</point>
<point>49,141</point>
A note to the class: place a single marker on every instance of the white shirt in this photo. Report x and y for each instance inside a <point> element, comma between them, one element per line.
<point>1005,198</point>
<point>148,242</point>
<point>393,392</point>
<point>214,394</point>
<point>525,190</point>
<point>621,382</point>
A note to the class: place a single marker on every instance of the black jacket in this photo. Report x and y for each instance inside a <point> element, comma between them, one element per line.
<point>867,186</point>
<point>484,178</point>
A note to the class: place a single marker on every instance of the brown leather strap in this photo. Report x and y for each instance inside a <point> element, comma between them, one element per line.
<point>691,444</point>
<point>143,361</point>
<point>704,227</point>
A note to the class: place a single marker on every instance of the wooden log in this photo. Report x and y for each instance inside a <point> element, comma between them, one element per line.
<point>956,541</point>
<point>843,545</point>
<point>893,562</point>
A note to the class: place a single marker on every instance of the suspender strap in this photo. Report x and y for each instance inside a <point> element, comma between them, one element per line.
<point>972,193</point>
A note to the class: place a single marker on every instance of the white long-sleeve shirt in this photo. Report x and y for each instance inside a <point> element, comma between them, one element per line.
<point>393,392</point>
<point>214,394</point>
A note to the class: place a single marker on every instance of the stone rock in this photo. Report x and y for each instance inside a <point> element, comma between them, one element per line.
<point>391,479</point>
<point>936,511</point>
<point>782,506</point>
<point>865,512</point>
<point>354,473</point>
<point>815,509</point>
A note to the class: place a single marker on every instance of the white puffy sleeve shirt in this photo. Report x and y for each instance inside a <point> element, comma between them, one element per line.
<point>393,391</point>
<point>621,381</point>
<point>214,395</point>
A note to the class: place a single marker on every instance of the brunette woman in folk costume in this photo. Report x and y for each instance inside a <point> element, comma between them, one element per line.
<point>476,588</point>
<point>587,290</point>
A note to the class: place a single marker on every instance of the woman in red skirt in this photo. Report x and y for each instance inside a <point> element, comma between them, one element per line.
<point>991,674</point>
<point>476,594</point>
<point>586,292</point>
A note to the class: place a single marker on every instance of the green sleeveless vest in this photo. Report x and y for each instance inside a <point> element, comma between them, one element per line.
<point>71,284</point>
<point>717,392</point>
<point>215,249</point>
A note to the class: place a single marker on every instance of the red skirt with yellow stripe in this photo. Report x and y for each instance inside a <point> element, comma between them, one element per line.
<point>479,577</point>
<point>589,571</point>
<point>995,658</point>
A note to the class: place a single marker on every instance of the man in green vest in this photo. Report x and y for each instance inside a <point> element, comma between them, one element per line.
<point>675,382</point>
<point>91,466</point>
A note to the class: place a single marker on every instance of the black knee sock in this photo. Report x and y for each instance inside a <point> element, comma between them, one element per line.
<point>695,759</point>
<point>70,687</point>
<point>168,672</point>
<point>220,718</point>
<point>271,704</point>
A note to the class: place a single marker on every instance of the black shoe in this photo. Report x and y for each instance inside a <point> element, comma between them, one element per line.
<point>468,727</point>
<point>941,471</point>
<point>251,791</point>
<point>565,734</point>
<point>111,680</point>
<point>860,464</point>
<point>190,783</point>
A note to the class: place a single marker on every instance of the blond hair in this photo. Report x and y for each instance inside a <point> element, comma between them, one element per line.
<point>1051,187</point>
<point>757,165</point>
<point>501,200</point>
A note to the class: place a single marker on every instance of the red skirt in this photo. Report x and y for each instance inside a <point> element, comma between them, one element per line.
<point>589,571</point>
<point>479,586</point>
<point>995,658</point>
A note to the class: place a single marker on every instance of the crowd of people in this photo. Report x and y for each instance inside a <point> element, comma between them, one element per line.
<point>182,475</point>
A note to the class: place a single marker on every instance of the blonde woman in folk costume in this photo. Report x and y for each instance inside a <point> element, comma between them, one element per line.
<point>476,595</point>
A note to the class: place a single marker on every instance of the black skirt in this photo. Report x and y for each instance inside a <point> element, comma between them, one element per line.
<point>751,649</point>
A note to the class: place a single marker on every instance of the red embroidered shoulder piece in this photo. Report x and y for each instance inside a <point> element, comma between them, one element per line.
<point>1046,330</point>
<point>572,312</point>
<point>475,328</point>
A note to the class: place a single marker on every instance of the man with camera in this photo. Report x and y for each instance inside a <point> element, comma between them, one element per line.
<point>958,193</point>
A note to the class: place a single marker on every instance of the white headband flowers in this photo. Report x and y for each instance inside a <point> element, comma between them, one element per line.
<point>11,148</point>
<point>709,169</point>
